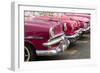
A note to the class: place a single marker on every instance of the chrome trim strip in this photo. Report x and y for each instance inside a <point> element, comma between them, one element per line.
<point>86,29</point>
<point>33,37</point>
<point>51,32</point>
<point>65,26</point>
<point>56,36</point>
<point>54,41</point>
<point>73,36</point>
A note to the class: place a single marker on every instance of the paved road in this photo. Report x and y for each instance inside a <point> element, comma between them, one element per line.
<point>78,50</point>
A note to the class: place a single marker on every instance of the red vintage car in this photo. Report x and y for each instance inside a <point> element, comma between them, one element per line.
<point>43,38</point>
<point>70,27</point>
<point>71,30</point>
<point>84,22</point>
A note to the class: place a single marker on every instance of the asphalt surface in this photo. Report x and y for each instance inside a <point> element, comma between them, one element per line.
<point>78,50</point>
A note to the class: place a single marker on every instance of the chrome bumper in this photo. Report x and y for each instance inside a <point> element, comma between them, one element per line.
<point>86,29</point>
<point>54,51</point>
<point>79,31</point>
<point>74,37</point>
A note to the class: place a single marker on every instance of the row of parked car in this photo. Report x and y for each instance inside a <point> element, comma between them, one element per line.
<point>46,35</point>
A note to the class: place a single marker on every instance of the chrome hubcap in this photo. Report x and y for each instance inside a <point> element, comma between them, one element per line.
<point>26,54</point>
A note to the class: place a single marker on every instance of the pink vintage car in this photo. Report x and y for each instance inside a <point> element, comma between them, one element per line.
<point>43,38</point>
<point>70,27</point>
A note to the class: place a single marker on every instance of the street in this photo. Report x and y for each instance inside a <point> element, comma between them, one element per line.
<point>78,50</point>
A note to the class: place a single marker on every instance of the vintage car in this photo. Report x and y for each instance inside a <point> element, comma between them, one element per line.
<point>70,27</point>
<point>71,30</point>
<point>43,38</point>
<point>84,22</point>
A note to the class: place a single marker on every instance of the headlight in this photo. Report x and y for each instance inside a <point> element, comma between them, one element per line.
<point>65,26</point>
<point>51,32</point>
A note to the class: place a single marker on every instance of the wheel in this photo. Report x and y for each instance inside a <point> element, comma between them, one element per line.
<point>29,53</point>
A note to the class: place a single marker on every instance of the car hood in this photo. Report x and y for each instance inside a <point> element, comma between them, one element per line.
<point>79,18</point>
<point>41,23</point>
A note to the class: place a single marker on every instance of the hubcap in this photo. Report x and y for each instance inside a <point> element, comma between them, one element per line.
<point>26,54</point>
